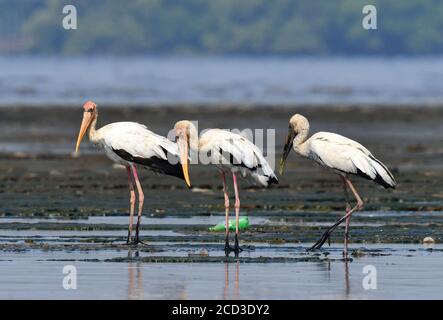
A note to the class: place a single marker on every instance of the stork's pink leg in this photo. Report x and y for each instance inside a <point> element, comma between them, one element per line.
<point>132,204</point>
<point>225,192</point>
<point>237,213</point>
<point>348,219</point>
<point>348,214</point>
<point>141,198</point>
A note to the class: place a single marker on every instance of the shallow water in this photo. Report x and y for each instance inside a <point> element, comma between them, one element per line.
<point>202,220</point>
<point>403,274</point>
<point>32,262</point>
<point>58,210</point>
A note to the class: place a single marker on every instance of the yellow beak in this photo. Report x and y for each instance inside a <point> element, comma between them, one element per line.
<point>183,147</point>
<point>87,118</point>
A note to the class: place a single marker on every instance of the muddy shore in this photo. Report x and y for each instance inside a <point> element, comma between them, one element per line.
<point>58,209</point>
<point>41,178</point>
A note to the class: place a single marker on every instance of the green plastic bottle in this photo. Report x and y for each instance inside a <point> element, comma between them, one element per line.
<point>243,223</point>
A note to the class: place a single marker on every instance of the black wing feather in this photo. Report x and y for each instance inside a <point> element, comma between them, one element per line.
<point>235,162</point>
<point>154,164</point>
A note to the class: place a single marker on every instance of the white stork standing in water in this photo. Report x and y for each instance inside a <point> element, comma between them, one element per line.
<point>131,144</point>
<point>232,154</point>
<point>342,156</point>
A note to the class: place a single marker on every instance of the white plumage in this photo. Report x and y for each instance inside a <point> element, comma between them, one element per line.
<point>131,144</point>
<point>231,153</point>
<point>340,155</point>
<point>120,140</point>
<point>234,153</point>
<point>343,155</point>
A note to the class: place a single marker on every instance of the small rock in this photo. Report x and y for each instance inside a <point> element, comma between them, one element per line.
<point>30,176</point>
<point>202,253</point>
<point>358,253</point>
<point>20,155</point>
<point>428,240</point>
<point>277,241</point>
<point>55,173</point>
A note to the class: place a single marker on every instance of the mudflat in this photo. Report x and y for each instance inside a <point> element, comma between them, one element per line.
<point>58,207</point>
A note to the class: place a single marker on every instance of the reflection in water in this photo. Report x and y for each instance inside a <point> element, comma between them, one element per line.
<point>326,270</point>
<point>236,288</point>
<point>347,287</point>
<point>299,280</point>
<point>135,286</point>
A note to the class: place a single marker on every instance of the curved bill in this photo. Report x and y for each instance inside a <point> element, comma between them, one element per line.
<point>183,147</point>
<point>287,149</point>
<point>87,118</point>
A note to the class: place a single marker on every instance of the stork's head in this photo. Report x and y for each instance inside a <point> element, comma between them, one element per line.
<point>182,129</point>
<point>185,131</point>
<point>297,125</point>
<point>89,113</point>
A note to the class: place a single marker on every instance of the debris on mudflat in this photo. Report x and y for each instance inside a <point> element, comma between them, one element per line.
<point>202,253</point>
<point>243,223</point>
<point>428,240</point>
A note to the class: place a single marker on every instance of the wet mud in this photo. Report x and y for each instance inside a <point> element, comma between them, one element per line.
<point>58,208</point>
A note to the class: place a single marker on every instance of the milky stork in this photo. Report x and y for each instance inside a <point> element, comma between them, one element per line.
<point>131,144</point>
<point>342,156</point>
<point>232,154</point>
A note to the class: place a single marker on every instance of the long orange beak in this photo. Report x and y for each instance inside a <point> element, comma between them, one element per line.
<point>87,118</point>
<point>183,147</point>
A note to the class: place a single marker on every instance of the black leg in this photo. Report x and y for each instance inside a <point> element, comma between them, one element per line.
<point>128,239</point>
<point>327,234</point>
<point>137,230</point>
<point>237,248</point>
<point>137,236</point>
<point>136,240</point>
<point>228,247</point>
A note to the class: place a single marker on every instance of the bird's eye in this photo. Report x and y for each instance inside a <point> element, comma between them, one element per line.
<point>90,110</point>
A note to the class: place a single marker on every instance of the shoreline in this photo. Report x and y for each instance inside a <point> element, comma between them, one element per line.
<point>57,208</point>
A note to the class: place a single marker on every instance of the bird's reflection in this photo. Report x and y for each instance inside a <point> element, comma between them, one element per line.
<point>135,285</point>
<point>236,287</point>
<point>331,270</point>
<point>347,287</point>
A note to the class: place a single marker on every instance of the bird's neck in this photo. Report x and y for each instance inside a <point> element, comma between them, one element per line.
<point>92,129</point>
<point>299,142</point>
<point>193,138</point>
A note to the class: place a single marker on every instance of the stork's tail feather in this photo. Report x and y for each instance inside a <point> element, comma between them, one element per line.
<point>264,180</point>
<point>272,180</point>
<point>155,164</point>
<point>383,176</point>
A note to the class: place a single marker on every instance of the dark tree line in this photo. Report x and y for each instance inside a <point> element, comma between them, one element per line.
<point>253,27</point>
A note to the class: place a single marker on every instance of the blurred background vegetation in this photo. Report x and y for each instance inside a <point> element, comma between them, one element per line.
<point>250,27</point>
